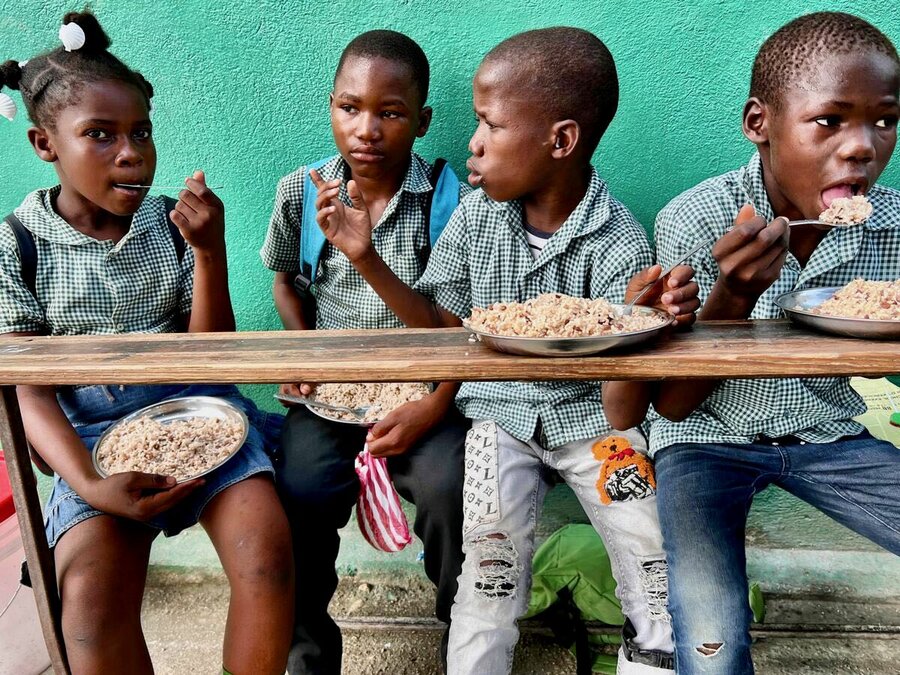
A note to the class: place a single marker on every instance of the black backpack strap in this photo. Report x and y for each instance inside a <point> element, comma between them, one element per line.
<point>27,251</point>
<point>177,238</point>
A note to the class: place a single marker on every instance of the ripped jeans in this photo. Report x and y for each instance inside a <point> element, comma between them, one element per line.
<point>705,495</point>
<point>505,484</point>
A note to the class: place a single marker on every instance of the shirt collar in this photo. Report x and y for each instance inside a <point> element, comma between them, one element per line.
<point>416,180</point>
<point>50,226</point>
<point>591,213</point>
<point>754,184</point>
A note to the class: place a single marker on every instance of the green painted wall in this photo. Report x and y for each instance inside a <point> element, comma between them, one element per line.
<point>242,90</point>
<point>242,93</point>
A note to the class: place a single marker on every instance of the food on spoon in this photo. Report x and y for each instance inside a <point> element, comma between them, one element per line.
<point>847,211</point>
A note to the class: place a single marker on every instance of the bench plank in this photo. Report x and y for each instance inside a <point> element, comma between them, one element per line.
<point>719,349</point>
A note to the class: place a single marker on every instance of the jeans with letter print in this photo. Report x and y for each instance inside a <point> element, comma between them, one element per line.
<point>506,481</point>
<point>704,498</point>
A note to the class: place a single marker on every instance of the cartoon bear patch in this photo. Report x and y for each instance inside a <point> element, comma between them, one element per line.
<point>625,473</point>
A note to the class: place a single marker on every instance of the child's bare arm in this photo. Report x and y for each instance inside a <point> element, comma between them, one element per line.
<point>200,216</point>
<point>625,403</point>
<point>405,426</point>
<point>289,305</point>
<point>350,230</point>
<point>749,257</point>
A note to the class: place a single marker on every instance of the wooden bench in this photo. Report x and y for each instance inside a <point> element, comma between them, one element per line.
<point>732,349</point>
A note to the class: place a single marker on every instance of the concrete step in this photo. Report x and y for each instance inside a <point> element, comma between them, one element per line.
<point>389,629</point>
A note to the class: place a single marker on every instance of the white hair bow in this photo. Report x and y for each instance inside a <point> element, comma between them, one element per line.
<point>8,107</point>
<point>72,36</point>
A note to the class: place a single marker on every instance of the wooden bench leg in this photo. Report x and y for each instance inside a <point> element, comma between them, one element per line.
<point>31,525</point>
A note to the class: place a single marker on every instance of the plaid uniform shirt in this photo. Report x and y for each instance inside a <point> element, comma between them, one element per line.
<point>817,410</point>
<point>343,298</point>
<point>483,257</point>
<point>89,287</point>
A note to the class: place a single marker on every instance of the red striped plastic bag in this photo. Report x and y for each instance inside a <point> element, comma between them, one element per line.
<point>378,512</point>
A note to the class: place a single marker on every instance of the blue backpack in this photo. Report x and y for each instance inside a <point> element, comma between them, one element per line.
<point>444,198</point>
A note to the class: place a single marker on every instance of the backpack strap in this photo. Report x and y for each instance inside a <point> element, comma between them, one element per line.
<point>312,239</point>
<point>177,238</point>
<point>27,251</point>
<point>444,198</point>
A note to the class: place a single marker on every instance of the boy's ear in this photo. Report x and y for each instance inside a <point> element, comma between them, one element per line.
<point>43,146</point>
<point>424,121</point>
<point>756,121</point>
<point>565,136</point>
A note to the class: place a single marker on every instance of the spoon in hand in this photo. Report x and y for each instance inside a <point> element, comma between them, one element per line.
<point>628,308</point>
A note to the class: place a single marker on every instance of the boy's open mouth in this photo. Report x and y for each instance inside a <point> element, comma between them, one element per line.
<point>128,189</point>
<point>841,190</point>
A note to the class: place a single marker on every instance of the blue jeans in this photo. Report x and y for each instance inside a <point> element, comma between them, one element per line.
<point>705,492</point>
<point>93,409</point>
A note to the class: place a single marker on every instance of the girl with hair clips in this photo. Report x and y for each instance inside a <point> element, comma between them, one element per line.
<point>108,262</point>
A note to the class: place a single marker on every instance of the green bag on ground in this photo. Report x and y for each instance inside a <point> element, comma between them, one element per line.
<point>572,583</point>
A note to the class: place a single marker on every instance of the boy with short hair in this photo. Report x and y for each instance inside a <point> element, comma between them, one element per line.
<point>377,111</point>
<point>822,112</point>
<point>543,221</point>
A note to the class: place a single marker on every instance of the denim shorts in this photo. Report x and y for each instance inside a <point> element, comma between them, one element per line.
<point>93,409</point>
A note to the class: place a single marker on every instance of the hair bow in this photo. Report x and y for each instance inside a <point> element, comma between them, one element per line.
<point>8,108</point>
<point>72,36</point>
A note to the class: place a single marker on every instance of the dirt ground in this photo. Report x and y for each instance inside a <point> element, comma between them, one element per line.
<point>389,630</point>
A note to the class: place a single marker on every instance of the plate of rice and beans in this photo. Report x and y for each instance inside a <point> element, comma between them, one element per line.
<point>553,324</point>
<point>378,398</point>
<point>863,309</point>
<point>181,437</point>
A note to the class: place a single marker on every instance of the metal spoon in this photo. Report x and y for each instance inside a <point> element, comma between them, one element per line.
<point>821,223</point>
<point>165,187</point>
<point>359,413</point>
<point>627,309</point>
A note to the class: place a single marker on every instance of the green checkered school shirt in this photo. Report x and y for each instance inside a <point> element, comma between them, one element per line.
<point>343,298</point>
<point>90,287</point>
<point>483,257</point>
<point>817,410</point>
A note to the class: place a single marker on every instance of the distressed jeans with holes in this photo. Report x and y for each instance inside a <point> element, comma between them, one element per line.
<point>704,497</point>
<point>506,481</point>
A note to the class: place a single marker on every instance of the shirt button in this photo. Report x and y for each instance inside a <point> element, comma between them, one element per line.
<point>121,326</point>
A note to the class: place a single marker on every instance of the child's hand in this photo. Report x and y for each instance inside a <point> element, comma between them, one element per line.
<point>301,390</point>
<point>348,229</point>
<point>404,426</point>
<point>675,293</point>
<point>750,255</point>
<point>200,216</point>
<point>138,496</point>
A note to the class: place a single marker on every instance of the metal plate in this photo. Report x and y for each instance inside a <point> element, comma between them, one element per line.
<point>796,306</point>
<point>574,346</point>
<point>179,409</point>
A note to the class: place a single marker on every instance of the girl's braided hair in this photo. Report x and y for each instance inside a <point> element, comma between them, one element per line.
<point>53,80</point>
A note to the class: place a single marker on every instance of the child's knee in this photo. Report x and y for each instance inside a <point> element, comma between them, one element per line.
<point>496,566</point>
<point>266,563</point>
<point>95,607</point>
